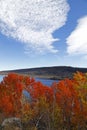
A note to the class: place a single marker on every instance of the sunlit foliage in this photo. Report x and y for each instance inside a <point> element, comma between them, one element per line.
<point>62,106</point>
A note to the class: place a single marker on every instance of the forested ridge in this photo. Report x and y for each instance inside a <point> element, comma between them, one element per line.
<point>55,72</point>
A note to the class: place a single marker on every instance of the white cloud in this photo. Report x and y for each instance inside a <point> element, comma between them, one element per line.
<point>33,21</point>
<point>77,41</point>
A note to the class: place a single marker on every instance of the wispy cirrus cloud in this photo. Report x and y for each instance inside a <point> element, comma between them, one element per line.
<point>33,21</point>
<point>77,41</point>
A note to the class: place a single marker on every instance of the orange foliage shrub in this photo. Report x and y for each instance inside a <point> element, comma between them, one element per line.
<point>69,97</point>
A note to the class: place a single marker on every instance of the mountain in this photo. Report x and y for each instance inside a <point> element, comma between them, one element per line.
<point>55,72</point>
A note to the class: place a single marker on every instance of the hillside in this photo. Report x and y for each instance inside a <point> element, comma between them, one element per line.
<point>57,72</point>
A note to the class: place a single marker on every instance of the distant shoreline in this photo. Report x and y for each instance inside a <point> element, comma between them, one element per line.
<point>52,73</point>
<point>36,76</point>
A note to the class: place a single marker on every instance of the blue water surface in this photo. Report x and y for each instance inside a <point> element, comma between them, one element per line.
<point>1,77</point>
<point>47,82</point>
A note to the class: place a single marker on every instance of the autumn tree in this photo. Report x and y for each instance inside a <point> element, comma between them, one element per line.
<point>80,83</point>
<point>62,106</point>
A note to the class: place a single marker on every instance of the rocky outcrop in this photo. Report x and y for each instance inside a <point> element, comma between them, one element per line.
<point>11,124</point>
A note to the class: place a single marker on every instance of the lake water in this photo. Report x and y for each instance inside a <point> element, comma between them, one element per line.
<point>1,77</point>
<point>47,82</point>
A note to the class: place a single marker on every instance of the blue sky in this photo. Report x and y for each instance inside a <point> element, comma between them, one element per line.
<point>41,33</point>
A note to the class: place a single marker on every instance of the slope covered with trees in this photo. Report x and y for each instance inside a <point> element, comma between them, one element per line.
<point>55,72</point>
